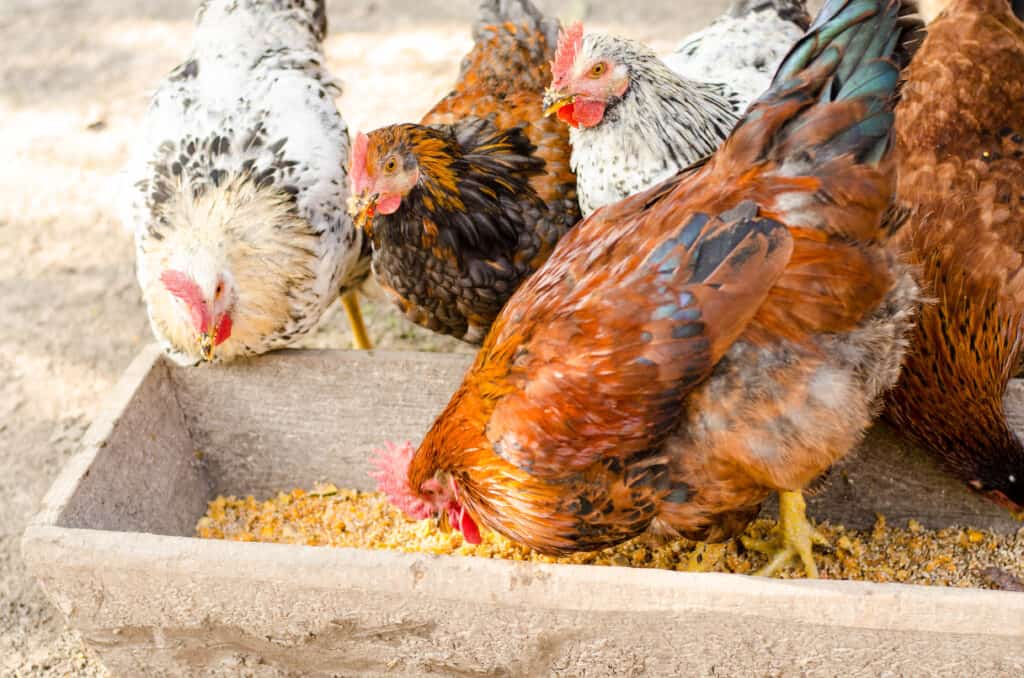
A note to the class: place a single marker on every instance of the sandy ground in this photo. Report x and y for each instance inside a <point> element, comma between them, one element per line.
<point>74,81</point>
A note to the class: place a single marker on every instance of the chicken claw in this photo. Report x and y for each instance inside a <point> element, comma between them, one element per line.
<point>794,537</point>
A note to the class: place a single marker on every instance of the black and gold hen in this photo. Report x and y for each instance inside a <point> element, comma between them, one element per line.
<point>463,207</point>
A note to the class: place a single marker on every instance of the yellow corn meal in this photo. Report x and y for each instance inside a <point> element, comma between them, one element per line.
<point>331,516</point>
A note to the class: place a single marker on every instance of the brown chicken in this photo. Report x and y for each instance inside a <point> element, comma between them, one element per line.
<point>960,144</point>
<point>466,205</point>
<point>693,348</point>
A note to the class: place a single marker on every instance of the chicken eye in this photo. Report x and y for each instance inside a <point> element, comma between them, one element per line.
<point>598,69</point>
<point>391,165</point>
<point>219,290</point>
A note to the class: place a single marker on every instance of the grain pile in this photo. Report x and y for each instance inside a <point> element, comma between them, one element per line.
<point>329,516</point>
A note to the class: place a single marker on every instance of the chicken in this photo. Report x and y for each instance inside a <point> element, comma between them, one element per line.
<point>237,186</point>
<point>960,144</point>
<point>633,122</point>
<point>466,205</point>
<point>695,347</point>
<point>743,47</point>
<point>637,120</point>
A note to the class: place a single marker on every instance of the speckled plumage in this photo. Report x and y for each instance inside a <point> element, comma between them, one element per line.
<point>453,254</point>
<point>678,108</point>
<point>240,167</point>
<point>691,349</point>
<point>742,48</point>
<point>960,134</point>
<point>661,124</point>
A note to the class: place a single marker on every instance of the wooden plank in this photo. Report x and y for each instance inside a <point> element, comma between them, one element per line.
<point>890,475</point>
<point>292,418</point>
<point>174,606</point>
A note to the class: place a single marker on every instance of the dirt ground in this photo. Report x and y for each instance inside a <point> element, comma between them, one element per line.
<point>74,80</point>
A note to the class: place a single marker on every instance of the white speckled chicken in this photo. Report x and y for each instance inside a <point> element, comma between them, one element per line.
<point>633,121</point>
<point>238,185</point>
<point>743,47</point>
<point>637,119</point>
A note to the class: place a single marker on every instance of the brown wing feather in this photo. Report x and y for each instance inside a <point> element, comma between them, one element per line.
<point>658,321</point>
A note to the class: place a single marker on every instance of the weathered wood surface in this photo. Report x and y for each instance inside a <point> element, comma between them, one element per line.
<point>135,472</point>
<point>292,418</point>
<point>174,606</point>
<point>157,605</point>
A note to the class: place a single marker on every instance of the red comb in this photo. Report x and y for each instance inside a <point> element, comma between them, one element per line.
<point>392,476</point>
<point>357,167</point>
<point>182,286</point>
<point>570,41</point>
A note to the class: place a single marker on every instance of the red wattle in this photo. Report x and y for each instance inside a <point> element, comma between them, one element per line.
<point>388,204</point>
<point>588,113</point>
<point>223,330</point>
<point>567,115</point>
<point>467,526</point>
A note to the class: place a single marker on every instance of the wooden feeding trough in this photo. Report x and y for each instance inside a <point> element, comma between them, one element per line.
<point>113,550</point>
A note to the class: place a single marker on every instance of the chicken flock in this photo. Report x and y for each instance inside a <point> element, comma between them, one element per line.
<point>695,279</point>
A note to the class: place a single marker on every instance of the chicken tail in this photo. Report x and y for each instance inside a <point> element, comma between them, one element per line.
<point>818,143</point>
<point>794,11</point>
<point>518,13</point>
<point>859,46</point>
<point>317,10</point>
<point>825,126</point>
<point>311,14</point>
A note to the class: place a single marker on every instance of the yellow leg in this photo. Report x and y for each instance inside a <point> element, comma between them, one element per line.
<point>705,556</point>
<point>795,537</point>
<point>355,319</point>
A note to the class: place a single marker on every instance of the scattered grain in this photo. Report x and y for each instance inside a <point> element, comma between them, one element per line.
<point>331,516</point>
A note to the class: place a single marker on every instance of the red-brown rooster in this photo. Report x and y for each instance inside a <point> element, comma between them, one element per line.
<point>691,349</point>
<point>466,205</point>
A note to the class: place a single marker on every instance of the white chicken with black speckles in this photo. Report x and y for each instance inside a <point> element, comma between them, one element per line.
<point>637,119</point>
<point>742,48</point>
<point>238,185</point>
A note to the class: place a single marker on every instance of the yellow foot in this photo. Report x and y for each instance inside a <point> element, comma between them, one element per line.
<point>355,319</point>
<point>795,537</point>
<point>704,557</point>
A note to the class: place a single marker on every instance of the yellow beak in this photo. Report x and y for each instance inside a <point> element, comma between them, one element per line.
<point>362,208</point>
<point>556,101</point>
<point>206,345</point>
<point>442,522</point>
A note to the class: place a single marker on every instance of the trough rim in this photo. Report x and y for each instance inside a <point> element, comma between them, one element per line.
<point>515,584</point>
<point>504,583</point>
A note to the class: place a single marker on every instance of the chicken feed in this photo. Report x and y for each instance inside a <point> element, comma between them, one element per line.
<point>332,516</point>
